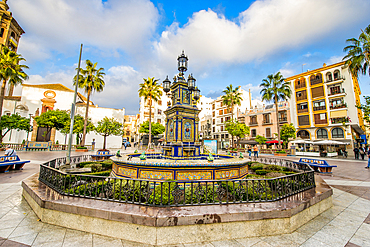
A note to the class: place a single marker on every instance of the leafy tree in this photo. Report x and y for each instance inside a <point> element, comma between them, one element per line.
<point>275,88</point>
<point>78,127</point>
<point>57,119</point>
<point>109,127</point>
<point>156,128</point>
<point>287,132</point>
<point>10,71</point>
<point>151,91</point>
<point>235,128</point>
<point>13,122</point>
<point>231,98</point>
<point>90,79</point>
<point>358,53</point>
<point>260,139</point>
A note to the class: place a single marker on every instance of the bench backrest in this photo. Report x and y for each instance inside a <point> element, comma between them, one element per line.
<point>9,158</point>
<point>102,153</point>
<point>314,161</point>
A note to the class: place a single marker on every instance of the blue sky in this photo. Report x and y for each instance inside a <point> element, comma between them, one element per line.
<point>227,42</point>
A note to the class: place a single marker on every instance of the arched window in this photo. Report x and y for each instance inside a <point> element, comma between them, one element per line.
<point>322,134</point>
<point>1,32</point>
<point>329,76</point>
<point>12,35</point>
<point>336,75</point>
<point>304,134</point>
<point>337,133</point>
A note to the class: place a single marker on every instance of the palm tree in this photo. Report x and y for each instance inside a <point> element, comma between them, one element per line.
<point>91,79</point>
<point>275,88</point>
<point>10,71</point>
<point>231,98</point>
<point>151,91</point>
<point>358,53</point>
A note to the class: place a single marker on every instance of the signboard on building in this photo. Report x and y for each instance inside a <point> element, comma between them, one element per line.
<point>211,146</point>
<point>363,139</point>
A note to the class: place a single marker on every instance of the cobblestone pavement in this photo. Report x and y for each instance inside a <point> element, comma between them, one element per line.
<point>347,223</point>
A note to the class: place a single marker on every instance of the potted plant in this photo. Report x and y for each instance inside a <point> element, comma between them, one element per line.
<point>280,153</point>
<point>81,149</point>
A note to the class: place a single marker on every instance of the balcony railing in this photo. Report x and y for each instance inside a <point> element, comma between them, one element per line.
<point>266,122</point>
<point>319,108</point>
<point>335,79</point>
<point>283,119</point>
<point>338,106</point>
<point>302,98</point>
<point>323,121</point>
<point>340,120</point>
<point>338,91</point>
<point>315,81</point>
<point>253,123</point>
<point>302,110</point>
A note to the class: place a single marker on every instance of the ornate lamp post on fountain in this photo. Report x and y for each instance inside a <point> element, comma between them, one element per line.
<point>182,139</point>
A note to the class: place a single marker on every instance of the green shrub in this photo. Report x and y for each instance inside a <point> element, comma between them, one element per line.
<point>280,152</point>
<point>107,164</point>
<point>262,172</point>
<point>102,173</point>
<point>273,168</point>
<point>80,147</point>
<point>130,190</point>
<point>257,166</point>
<point>95,167</point>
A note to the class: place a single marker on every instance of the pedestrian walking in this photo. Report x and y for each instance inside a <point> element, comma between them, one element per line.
<point>250,150</point>
<point>255,151</point>
<point>368,160</point>
<point>362,152</point>
<point>356,151</point>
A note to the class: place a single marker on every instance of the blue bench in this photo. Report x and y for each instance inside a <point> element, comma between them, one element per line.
<point>318,165</point>
<point>11,162</point>
<point>101,155</point>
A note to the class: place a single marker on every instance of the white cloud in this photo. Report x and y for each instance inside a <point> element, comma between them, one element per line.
<point>266,27</point>
<point>335,59</point>
<point>59,24</point>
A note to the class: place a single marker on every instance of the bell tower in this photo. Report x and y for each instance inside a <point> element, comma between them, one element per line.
<point>10,30</point>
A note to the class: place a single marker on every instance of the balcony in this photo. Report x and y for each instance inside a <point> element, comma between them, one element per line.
<point>336,92</point>
<point>267,122</point>
<point>283,119</point>
<point>338,106</point>
<point>315,81</point>
<point>12,40</point>
<point>319,108</point>
<point>254,123</point>
<point>336,79</point>
<point>302,110</point>
<point>319,121</point>
<point>340,120</point>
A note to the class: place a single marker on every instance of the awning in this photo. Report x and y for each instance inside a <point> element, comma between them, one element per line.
<point>341,113</point>
<point>274,142</point>
<point>330,142</point>
<point>250,142</point>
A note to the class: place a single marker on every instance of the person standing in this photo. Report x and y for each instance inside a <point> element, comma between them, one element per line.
<point>362,152</point>
<point>356,151</point>
<point>250,150</point>
<point>255,151</point>
<point>368,161</point>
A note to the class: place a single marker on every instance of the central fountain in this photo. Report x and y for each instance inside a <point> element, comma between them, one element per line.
<point>181,157</point>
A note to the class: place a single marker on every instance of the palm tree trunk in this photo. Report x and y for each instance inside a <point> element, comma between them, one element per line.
<point>232,119</point>
<point>86,116</point>
<point>2,93</point>
<point>277,121</point>
<point>150,122</point>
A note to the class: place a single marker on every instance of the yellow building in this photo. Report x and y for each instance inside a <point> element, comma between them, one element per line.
<point>10,31</point>
<point>323,105</point>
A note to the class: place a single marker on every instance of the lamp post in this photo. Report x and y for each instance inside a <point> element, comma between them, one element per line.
<point>28,132</point>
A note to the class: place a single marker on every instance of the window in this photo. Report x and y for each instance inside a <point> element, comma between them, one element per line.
<point>214,130</point>
<point>303,120</point>
<point>213,114</point>
<point>336,75</point>
<point>315,79</point>
<point>335,90</point>
<point>253,120</point>
<point>329,77</point>
<point>322,134</point>
<point>226,135</point>
<point>268,132</point>
<point>319,105</point>
<point>320,118</point>
<point>213,121</point>
<point>1,32</point>
<point>337,133</point>
<point>213,106</point>
<point>304,134</point>
<point>317,92</point>
<point>303,107</point>
<point>222,120</point>
<point>159,102</point>
<point>12,35</point>
<point>159,111</point>
<point>220,112</point>
<point>222,128</point>
<point>300,83</point>
<point>253,133</point>
<point>225,111</point>
<point>301,95</point>
<point>266,118</point>
<point>282,116</point>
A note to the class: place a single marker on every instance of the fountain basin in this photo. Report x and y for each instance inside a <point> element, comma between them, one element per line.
<point>156,167</point>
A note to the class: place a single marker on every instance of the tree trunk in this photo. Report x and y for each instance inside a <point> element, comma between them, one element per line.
<point>2,93</point>
<point>86,116</point>
<point>232,119</point>
<point>105,138</point>
<point>150,122</point>
<point>277,121</point>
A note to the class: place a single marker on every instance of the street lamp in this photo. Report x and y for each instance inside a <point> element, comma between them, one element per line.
<point>196,93</point>
<point>191,82</point>
<point>166,85</point>
<point>182,64</point>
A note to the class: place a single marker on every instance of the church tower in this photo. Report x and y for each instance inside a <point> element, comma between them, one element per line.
<point>10,30</point>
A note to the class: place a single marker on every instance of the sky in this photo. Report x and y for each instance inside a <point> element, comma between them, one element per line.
<point>227,42</point>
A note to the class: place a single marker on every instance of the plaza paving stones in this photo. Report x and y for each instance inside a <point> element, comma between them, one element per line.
<point>347,223</point>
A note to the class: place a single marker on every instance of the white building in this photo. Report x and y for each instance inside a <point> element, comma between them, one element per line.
<point>43,97</point>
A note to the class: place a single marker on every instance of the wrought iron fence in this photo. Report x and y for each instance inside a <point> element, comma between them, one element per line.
<point>179,193</point>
